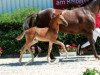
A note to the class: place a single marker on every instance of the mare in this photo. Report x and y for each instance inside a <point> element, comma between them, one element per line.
<point>80,20</point>
<point>35,34</point>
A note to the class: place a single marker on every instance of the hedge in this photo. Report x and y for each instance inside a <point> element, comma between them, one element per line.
<point>11,27</point>
<point>15,19</point>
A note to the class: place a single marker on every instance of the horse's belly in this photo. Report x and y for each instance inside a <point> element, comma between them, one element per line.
<point>73,29</point>
<point>41,38</point>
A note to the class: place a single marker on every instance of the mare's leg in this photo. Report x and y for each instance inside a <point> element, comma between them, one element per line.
<point>49,51</point>
<point>92,43</point>
<point>63,46</point>
<point>78,52</point>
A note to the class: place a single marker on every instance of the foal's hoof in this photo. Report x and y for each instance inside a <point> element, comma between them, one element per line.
<point>56,61</point>
<point>64,55</point>
<point>20,62</point>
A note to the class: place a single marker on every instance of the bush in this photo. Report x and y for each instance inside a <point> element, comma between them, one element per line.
<point>91,72</point>
<point>10,28</point>
<point>15,19</point>
<point>70,38</point>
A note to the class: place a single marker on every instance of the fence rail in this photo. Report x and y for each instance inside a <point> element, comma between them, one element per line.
<point>11,5</point>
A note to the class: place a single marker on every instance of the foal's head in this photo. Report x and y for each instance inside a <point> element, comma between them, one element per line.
<point>58,20</point>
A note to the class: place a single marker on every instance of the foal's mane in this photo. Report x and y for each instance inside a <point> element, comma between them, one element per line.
<point>52,21</point>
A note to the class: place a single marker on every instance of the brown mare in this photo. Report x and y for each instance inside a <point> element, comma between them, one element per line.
<point>50,34</point>
<point>80,20</point>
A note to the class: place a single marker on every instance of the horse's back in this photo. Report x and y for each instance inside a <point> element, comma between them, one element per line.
<point>78,21</point>
<point>44,17</point>
<point>41,31</point>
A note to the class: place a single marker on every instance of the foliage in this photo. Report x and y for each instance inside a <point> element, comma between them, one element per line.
<point>91,72</point>
<point>10,28</point>
<point>9,43</point>
<point>15,19</point>
<point>71,49</point>
<point>70,38</point>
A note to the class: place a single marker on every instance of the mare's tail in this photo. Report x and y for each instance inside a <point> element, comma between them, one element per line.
<point>20,36</point>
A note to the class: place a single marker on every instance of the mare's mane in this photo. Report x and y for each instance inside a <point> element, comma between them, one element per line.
<point>87,3</point>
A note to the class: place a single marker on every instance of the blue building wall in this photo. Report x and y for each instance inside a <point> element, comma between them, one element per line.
<point>11,5</point>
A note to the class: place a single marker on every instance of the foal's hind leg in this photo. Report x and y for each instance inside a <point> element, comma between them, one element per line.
<point>30,51</point>
<point>21,55</point>
<point>29,39</point>
<point>63,46</point>
<point>25,47</point>
<point>49,51</point>
<point>22,50</point>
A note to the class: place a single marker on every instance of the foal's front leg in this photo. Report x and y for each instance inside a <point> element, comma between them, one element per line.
<point>63,46</point>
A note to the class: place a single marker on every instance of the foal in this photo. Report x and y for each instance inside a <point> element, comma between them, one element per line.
<point>50,35</point>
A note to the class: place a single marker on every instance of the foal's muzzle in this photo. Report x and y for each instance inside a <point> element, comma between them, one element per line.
<point>65,23</point>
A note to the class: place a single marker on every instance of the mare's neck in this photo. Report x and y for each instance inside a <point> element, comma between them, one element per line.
<point>93,6</point>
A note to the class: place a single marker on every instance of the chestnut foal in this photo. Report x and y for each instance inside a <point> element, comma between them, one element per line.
<point>35,34</point>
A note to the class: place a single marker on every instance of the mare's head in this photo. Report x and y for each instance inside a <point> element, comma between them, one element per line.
<point>58,20</point>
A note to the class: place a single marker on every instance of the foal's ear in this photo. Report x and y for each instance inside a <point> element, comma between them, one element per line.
<point>59,14</point>
<point>55,15</point>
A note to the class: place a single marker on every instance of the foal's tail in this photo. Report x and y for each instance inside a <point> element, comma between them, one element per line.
<point>20,36</point>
